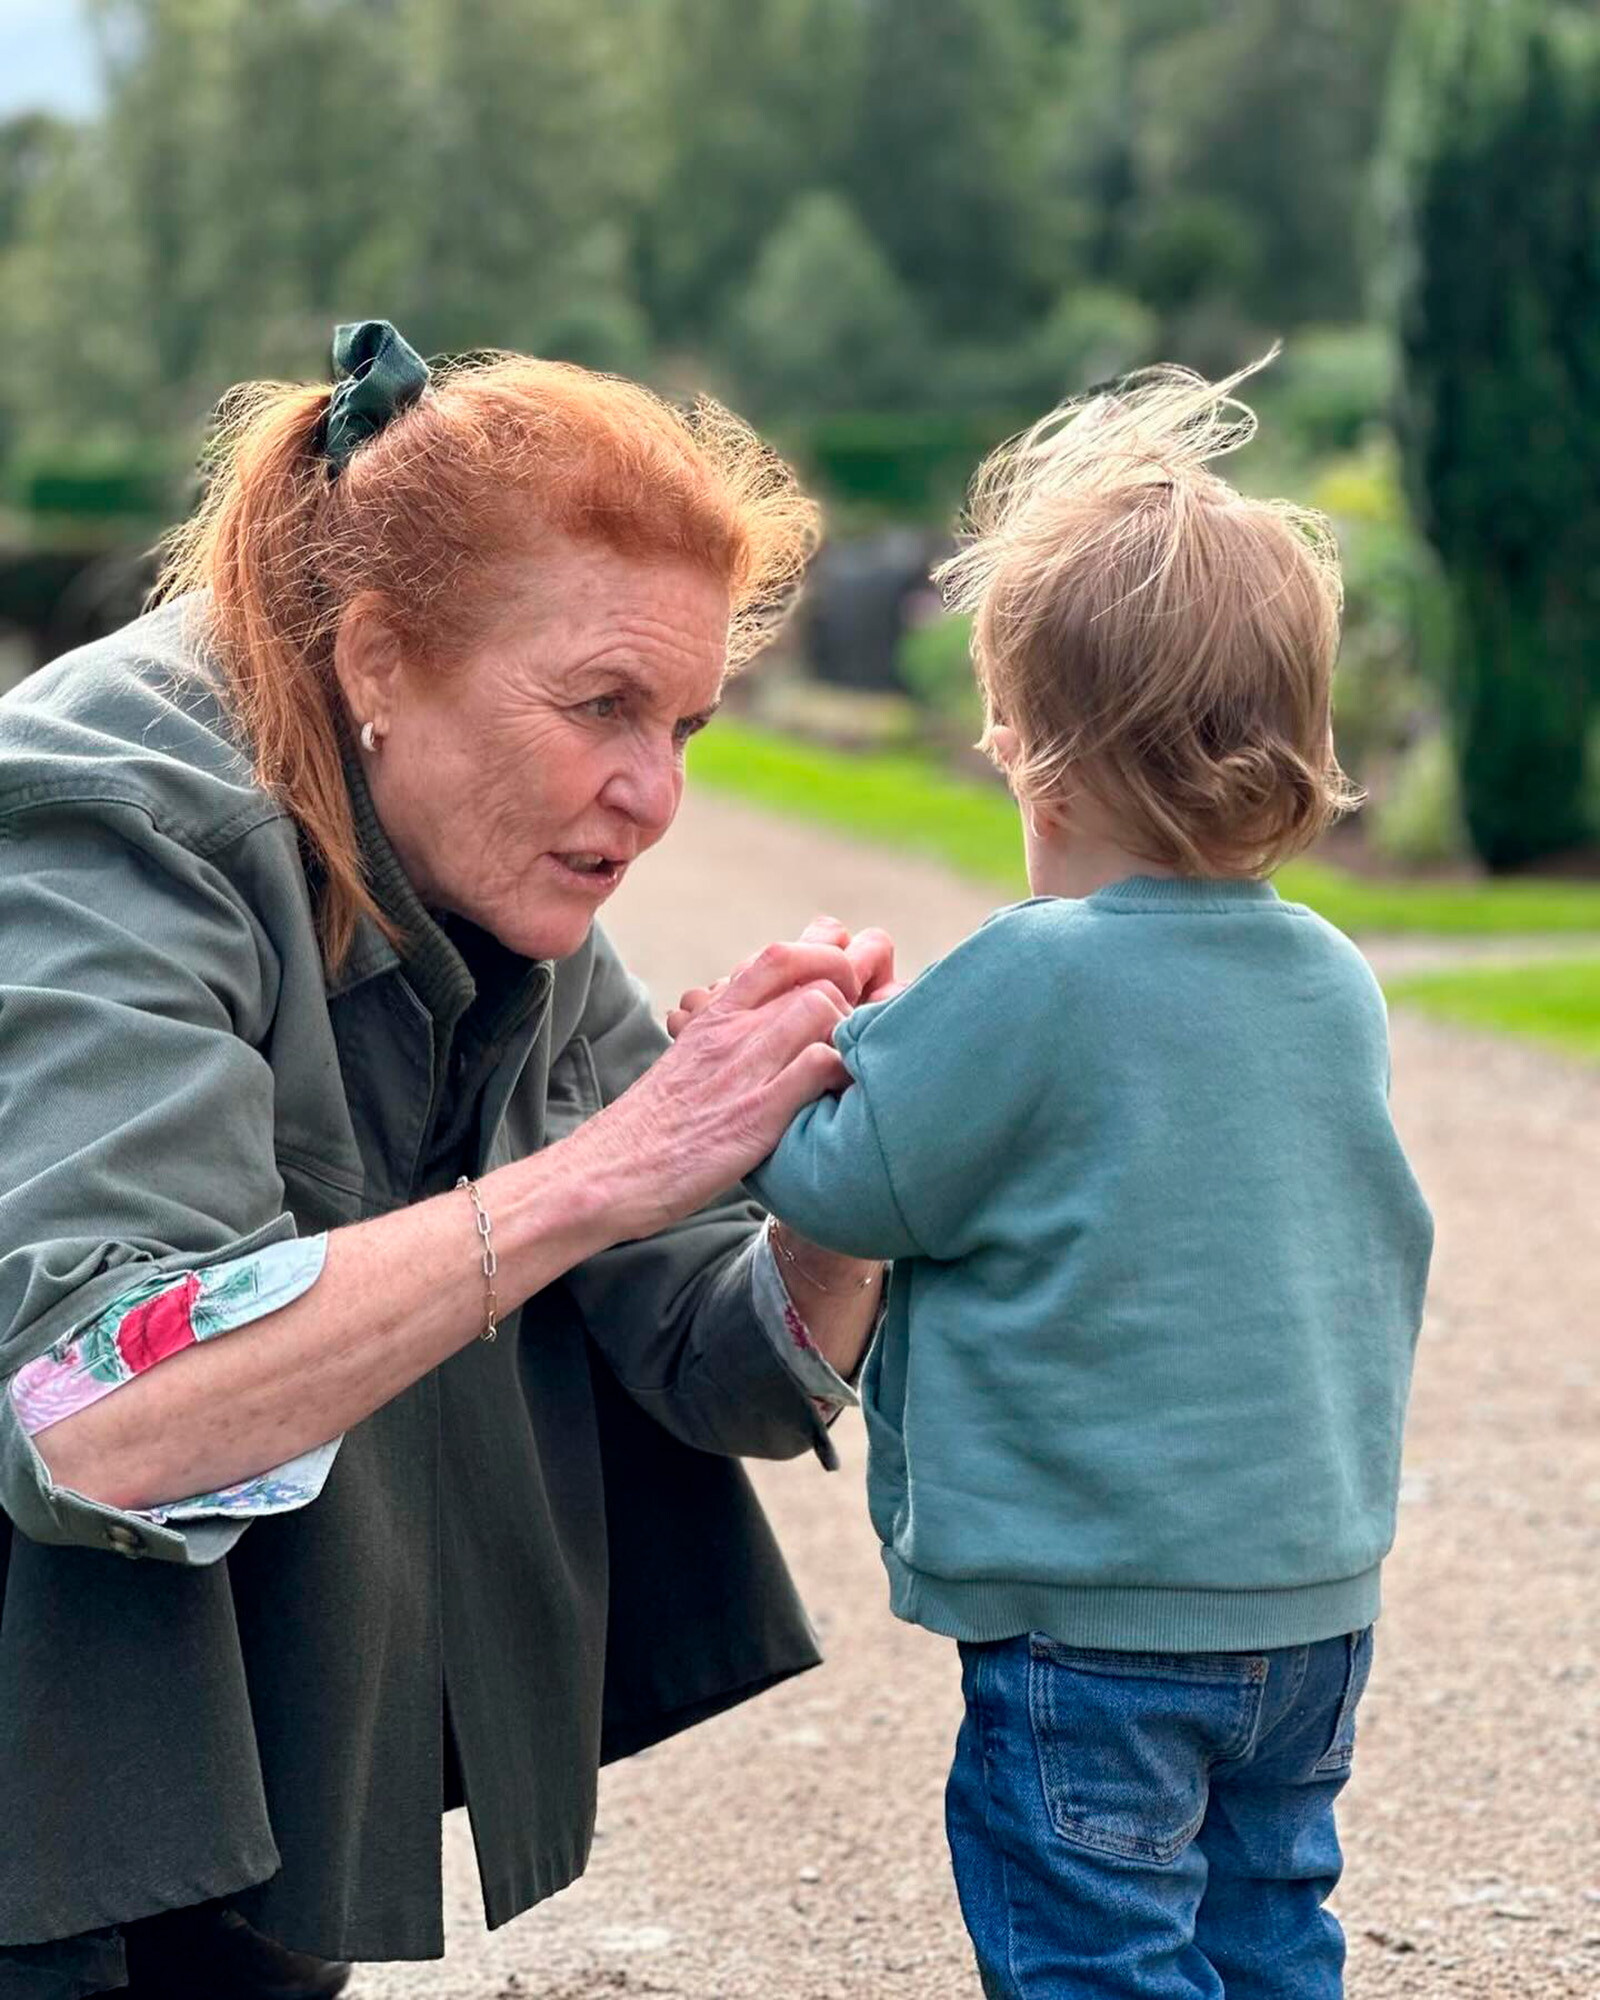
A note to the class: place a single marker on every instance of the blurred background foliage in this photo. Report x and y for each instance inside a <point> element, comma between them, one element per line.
<point>891,231</point>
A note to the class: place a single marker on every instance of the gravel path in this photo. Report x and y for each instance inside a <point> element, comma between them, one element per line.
<point>793,1850</point>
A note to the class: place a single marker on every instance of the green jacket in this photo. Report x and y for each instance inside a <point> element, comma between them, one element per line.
<point>548,1537</point>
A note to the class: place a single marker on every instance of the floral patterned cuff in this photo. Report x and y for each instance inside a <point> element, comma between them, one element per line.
<point>829,1391</point>
<point>158,1317</point>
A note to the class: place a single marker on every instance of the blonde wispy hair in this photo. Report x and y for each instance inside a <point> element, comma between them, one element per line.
<point>1154,637</point>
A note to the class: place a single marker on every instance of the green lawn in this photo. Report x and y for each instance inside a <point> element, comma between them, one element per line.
<point>907,802</point>
<point>1555,1001</point>
<point>893,799</point>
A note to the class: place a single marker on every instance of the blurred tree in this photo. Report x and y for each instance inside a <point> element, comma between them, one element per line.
<point>307,208</point>
<point>824,323</point>
<point>752,106</point>
<point>206,224</point>
<point>1498,303</point>
<point>1199,154</point>
<point>465,167</point>
<point>80,366</point>
<point>594,316</point>
<point>1091,124</point>
<point>1268,111</point>
<point>1192,247</point>
<point>30,145</point>
<point>1335,385</point>
<point>1091,334</point>
<point>154,148</point>
<point>1022,183</point>
<point>32,148</point>
<point>528,143</point>
<point>945,165</point>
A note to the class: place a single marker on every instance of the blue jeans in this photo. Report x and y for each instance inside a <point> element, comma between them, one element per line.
<point>1143,1826</point>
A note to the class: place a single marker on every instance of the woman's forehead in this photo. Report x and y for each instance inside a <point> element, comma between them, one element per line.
<point>580,610</point>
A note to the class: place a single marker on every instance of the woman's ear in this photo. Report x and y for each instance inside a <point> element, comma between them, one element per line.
<point>366,659</point>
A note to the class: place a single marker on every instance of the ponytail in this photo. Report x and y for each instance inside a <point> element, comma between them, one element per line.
<point>253,548</point>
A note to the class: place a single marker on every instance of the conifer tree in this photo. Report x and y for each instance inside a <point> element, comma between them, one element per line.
<point>1495,198</point>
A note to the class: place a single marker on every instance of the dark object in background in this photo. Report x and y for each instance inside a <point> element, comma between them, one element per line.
<point>854,611</point>
<point>78,530</point>
<point>55,598</point>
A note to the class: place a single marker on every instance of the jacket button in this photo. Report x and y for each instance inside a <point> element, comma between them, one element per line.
<point>125,1540</point>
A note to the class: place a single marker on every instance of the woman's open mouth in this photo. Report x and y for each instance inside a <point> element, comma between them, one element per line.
<point>591,871</point>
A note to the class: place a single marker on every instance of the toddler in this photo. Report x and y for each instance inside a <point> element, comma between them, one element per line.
<point>1135,1411</point>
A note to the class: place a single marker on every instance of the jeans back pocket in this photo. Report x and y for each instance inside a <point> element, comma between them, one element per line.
<point>1126,1741</point>
<point>1358,1664</point>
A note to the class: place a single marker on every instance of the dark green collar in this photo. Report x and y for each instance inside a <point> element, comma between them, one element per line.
<point>435,970</point>
<point>431,958</point>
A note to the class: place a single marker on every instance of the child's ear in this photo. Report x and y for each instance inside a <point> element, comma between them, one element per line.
<point>1045,819</point>
<point>1004,745</point>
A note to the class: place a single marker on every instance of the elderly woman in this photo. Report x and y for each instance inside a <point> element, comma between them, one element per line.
<point>377,1329</point>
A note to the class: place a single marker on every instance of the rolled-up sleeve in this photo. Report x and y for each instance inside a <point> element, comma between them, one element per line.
<point>158,1318</point>
<point>677,1315</point>
<point>784,1325</point>
<point>136,1117</point>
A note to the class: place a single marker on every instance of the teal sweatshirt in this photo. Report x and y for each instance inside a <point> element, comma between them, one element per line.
<point>1159,1265</point>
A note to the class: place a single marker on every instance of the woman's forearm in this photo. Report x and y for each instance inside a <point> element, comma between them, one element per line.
<point>397,1296</point>
<point>401,1294</point>
<point>837,1296</point>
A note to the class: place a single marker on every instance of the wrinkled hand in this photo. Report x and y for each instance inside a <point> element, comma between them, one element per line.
<point>870,951</point>
<point>747,1055</point>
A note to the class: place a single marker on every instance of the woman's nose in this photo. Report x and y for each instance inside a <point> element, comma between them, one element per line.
<point>647,788</point>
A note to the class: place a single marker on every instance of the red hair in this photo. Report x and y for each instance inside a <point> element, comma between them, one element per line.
<point>500,450</point>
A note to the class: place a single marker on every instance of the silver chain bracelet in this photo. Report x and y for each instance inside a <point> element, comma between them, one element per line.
<point>491,1263</point>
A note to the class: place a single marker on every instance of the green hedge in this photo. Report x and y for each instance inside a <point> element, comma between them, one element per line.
<point>906,463</point>
<point>94,484</point>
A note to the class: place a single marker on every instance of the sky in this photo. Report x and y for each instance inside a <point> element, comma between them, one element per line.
<point>46,63</point>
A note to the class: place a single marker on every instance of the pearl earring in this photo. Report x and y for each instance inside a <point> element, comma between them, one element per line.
<point>369,738</point>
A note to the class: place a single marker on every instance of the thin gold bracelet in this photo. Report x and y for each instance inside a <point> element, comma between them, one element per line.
<point>491,1263</point>
<point>831,1291</point>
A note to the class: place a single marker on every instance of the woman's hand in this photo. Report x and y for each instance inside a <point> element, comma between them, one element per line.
<point>745,1058</point>
<point>401,1293</point>
<point>870,951</point>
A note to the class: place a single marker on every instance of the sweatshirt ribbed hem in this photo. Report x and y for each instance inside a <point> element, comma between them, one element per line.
<point>1134,1619</point>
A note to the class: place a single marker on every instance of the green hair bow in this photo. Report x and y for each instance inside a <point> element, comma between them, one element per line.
<point>376,375</point>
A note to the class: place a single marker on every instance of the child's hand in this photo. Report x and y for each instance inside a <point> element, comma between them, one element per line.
<point>871,952</point>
